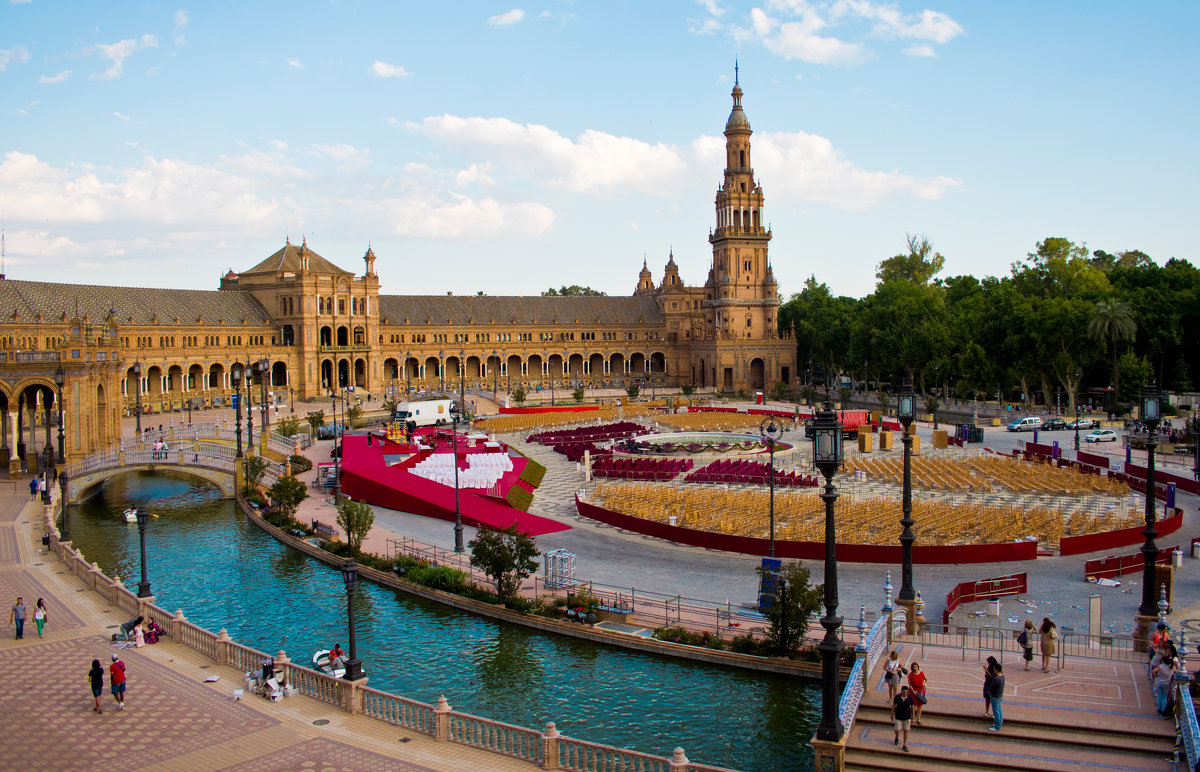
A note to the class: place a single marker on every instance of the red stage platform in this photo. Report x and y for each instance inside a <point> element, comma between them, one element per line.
<point>366,476</point>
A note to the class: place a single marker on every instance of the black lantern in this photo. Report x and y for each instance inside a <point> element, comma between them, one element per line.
<point>770,430</point>
<point>458,526</point>
<point>828,456</point>
<point>137,374</point>
<point>906,411</point>
<point>60,378</point>
<point>264,377</point>
<point>350,578</point>
<point>1077,411</point>
<point>143,586</point>
<point>235,378</point>
<point>1151,415</point>
<point>495,373</point>
<point>442,369</point>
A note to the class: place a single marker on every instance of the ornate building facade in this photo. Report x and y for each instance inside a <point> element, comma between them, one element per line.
<point>317,327</point>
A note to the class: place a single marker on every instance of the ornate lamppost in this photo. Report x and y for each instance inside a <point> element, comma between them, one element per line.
<point>249,372</point>
<point>771,430</point>
<point>1077,412</point>
<point>458,526</point>
<point>337,452</point>
<point>462,376</point>
<point>291,400</point>
<point>906,411</point>
<point>442,369</point>
<point>137,374</point>
<point>937,394</point>
<point>495,373</point>
<point>143,586</point>
<point>47,462</point>
<point>828,456</point>
<point>60,378</point>
<point>1195,443</point>
<point>235,378</point>
<point>350,578</point>
<point>407,375</point>
<point>1146,617</point>
<point>264,375</point>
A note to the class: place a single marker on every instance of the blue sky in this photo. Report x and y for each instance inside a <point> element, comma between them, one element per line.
<point>510,148</point>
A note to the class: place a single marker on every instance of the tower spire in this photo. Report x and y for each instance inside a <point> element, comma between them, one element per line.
<point>735,71</point>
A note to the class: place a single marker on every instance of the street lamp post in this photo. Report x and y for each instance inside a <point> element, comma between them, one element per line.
<point>495,373</point>
<point>235,377</point>
<point>1147,612</point>
<point>47,462</point>
<point>442,369</point>
<point>906,411</point>
<point>60,378</point>
<point>462,375</point>
<point>143,586</point>
<point>350,578</point>
<point>1076,412</point>
<point>771,430</point>
<point>249,406</point>
<point>1195,443</point>
<point>937,394</point>
<point>828,456</point>
<point>407,375</point>
<point>458,526</point>
<point>264,375</point>
<point>137,374</point>
<point>291,400</point>
<point>337,453</point>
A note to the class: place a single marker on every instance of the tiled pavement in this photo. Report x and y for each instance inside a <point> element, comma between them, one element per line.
<point>174,721</point>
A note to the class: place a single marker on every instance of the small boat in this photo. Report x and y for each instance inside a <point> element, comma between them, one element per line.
<point>131,515</point>
<point>322,664</point>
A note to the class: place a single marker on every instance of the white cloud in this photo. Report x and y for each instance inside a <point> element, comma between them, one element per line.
<point>807,167</point>
<point>348,157</point>
<point>475,174</point>
<point>59,78</point>
<point>19,2</point>
<point>295,63</point>
<point>712,6</point>
<point>595,161</point>
<point>279,144</point>
<point>799,39</point>
<point>16,55</point>
<point>455,216</point>
<point>507,18</point>
<point>706,26</point>
<point>181,22</point>
<point>920,51</point>
<point>928,25</point>
<point>385,70</point>
<point>117,52</point>
<point>122,117</point>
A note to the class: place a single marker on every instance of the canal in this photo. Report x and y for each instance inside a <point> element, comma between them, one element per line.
<point>223,571</point>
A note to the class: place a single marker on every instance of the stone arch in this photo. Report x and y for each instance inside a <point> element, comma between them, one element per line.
<point>391,369</point>
<point>757,373</point>
<point>326,335</point>
<point>154,382</point>
<point>195,378</point>
<point>216,376</point>
<point>326,373</point>
<point>343,335</point>
<point>343,373</point>
<point>279,374</point>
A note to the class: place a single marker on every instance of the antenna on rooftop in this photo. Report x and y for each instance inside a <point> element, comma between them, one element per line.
<point>2,277</point>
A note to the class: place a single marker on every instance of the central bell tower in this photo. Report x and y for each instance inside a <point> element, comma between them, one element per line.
<point>744,299</point>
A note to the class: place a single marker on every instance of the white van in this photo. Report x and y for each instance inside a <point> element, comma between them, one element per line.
<point>429,412</point>
<point>1027,424</point>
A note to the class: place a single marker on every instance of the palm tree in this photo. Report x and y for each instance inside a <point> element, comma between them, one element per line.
<point>1112,320</point>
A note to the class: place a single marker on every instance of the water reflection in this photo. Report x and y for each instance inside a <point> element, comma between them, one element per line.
<point>224,572</point>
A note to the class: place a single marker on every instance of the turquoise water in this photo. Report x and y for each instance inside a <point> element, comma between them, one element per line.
<point>223,571</point>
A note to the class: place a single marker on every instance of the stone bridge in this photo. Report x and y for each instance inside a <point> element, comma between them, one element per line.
<point>217,468</point>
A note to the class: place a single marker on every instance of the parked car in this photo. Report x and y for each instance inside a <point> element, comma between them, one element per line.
<point>1054,425</point>
<point>1101,435</point>
<point>1082,423</point>
<point>1027,424</point>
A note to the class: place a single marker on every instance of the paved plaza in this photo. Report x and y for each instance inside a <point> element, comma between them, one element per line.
<point>176,721</point>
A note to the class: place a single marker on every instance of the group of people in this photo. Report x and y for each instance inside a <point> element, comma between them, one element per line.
<point>37,484</point>
<point>1048,636</point>
<point>116,680</point>
<point>18,615</point>
<point>1164,664</point>
<point>908,700</point>
<point>159,450</point>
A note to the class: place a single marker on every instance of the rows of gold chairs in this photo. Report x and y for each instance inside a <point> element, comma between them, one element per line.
<point>527,422</point>
<point>712,422</point>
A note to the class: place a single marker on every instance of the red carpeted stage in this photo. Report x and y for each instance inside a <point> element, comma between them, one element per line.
<point>367,476</point>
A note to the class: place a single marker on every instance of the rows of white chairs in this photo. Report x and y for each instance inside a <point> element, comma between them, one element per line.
<point>483,469</point>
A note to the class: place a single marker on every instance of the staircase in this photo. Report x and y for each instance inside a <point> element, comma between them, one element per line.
<point>1045,739</point>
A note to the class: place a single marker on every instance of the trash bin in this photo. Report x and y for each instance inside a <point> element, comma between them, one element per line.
<point>993,608</point>
<point>1177,558</point>
<point>758,398</point>
<point>1196,549</point>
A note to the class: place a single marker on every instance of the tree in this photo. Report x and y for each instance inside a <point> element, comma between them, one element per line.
<point>578,394</point>
<point>506,557</point>
<point>288,427</point>
<point>356,519</point>
<point>918,267</point>
<point>687,389</point>
<point>1112,320</point>
<point>792,604</point>
<point>354,415</point>
<point>518,395</point>
<point>573,291</point>
<point>255,467</point>
<point>633,390</point>
<point>286,495</point>
<point>389,407</point>
<point>316,419</point>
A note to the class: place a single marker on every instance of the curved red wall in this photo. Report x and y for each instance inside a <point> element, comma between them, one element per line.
<point>852,553</point>
<point>1094,542</point>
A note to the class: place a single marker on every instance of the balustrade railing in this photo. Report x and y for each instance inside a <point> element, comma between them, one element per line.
<point>195,637</point>
<point>872,650</point>
<point>1189,731</point>
<point>398,711</point>
<point>579,756</point>
<point>281,444</point>
<point>319,686</point>
<point>497,737</point>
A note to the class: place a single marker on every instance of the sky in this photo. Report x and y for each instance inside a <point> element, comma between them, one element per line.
<point>510,148</point>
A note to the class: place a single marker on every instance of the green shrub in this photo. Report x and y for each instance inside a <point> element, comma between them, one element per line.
<point>704,639</point>
<point>544,608</point>
<point>443,578</point>
<point>519,498</point>
<point>746,643</point>
<point>300,464</point>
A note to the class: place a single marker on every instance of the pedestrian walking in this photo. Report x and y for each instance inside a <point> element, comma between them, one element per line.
<point>989,672</point>
<point>997,696</point>
<point>902,710</point>
<point>42,485</point>
<point>1025,641</point>
<point>96,676</point>
<point>916,682</point>
<point>17,616</point>
<point>33,488</point>
<point>892,670</point>
<point>1164,675</point>
<point>116,680</point>
<point>39,615</point>
<point>1049,633</point>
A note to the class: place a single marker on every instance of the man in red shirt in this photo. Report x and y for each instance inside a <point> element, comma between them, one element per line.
<point>116,677</point>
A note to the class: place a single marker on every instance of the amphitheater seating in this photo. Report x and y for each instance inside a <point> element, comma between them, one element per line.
<point>745,472</point>
<point>660,469</point>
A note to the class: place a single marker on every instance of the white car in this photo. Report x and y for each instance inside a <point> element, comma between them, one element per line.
<point>1101,435</point>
